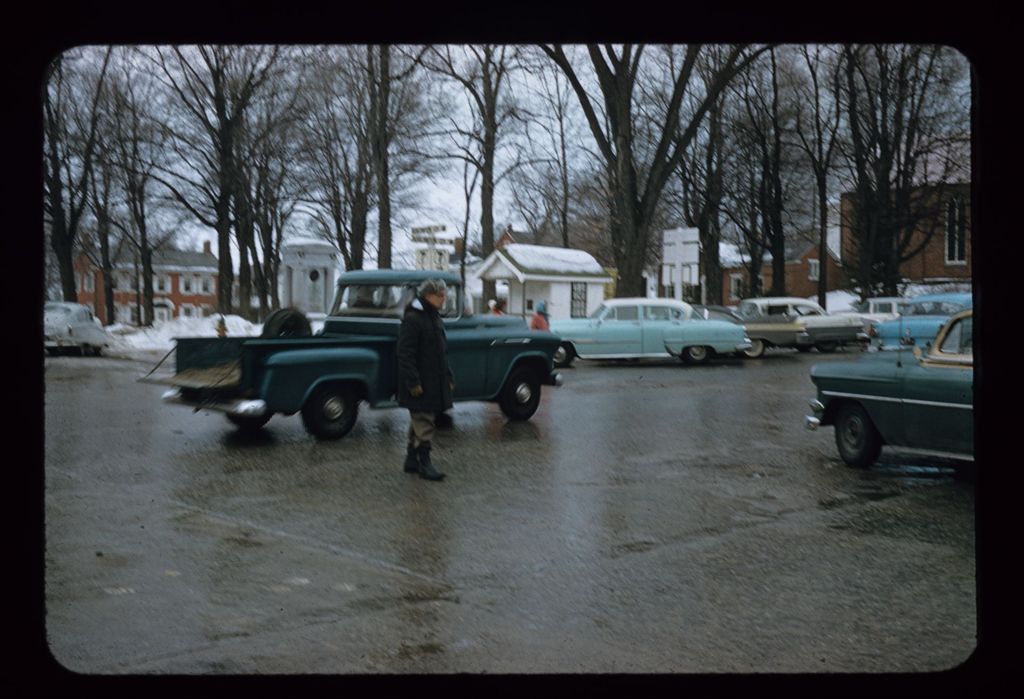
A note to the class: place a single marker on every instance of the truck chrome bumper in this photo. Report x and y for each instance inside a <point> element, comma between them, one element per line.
<point>239,407</point>
<point>556,379</point>
<point>812,423</point>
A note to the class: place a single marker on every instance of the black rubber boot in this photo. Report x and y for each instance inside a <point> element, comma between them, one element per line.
<point>427,469</point>
<point>412,462</point>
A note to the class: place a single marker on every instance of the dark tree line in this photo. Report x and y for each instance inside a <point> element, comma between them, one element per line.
<point>598,147</point>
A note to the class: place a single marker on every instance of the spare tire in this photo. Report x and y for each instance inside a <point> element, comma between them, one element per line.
<point>287,322</point>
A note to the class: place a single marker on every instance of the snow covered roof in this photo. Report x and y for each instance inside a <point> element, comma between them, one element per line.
<point>548,260</point>
<point>306,242</point>
<point>169,258</point>
<point>729,255</point>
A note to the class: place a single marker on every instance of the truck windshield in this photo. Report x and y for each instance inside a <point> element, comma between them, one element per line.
<point>384,300</point>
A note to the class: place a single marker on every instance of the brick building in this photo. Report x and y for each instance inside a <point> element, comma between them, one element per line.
<point>947,255</point>
<point>802,272</point>
<point>184,285</point>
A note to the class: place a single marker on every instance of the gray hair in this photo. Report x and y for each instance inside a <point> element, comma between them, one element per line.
<point>432,286</point>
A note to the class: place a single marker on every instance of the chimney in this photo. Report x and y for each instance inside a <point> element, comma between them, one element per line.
<point>206,247</point>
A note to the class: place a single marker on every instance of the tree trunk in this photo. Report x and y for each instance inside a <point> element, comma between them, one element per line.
<point>380,143</point>
<point>822,240</point>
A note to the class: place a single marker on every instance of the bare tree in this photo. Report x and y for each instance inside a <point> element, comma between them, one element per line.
<point>272,186</point>
<point>640,149</point>
<point>211,87</point>
<point>483,72</point>
<point>906,136</point>
<point>817,131</point>
<point>337,157</point>
<point>542,191</point>
<point>762,123</point>
<point>70,121</point>
<point>701,180</point>
<point>136,148</point>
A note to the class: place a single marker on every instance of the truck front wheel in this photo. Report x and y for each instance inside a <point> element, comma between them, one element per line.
<point>331,411</point>
<point>520,395</point>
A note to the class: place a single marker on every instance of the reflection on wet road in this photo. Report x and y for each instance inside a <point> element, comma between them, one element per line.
<point>651,517</point>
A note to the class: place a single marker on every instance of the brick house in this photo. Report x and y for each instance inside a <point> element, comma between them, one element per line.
<point>184,285</point>
<point>802,272</point>
<point>947,255</point>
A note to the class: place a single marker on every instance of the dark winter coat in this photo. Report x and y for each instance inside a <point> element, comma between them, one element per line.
<point>423,359</point>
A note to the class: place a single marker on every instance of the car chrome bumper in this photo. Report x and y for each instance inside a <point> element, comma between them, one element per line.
<point>555,379</point>
<point>745,345</point>
<point>804,338</point>
<point>813,422</point>
<point>239,407</point>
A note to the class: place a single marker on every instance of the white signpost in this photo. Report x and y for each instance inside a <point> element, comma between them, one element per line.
<point>680,256</point>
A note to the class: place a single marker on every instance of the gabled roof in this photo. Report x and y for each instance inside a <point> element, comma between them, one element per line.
<point>171,258</point>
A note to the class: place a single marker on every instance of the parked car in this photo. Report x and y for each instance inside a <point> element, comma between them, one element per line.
<point>784,321</point>
<point>912,399</point>
<point>713,312</point>
<point>72,326</point>
<point>919,321</point>
<point>630,328</point>
<point>876,309</point>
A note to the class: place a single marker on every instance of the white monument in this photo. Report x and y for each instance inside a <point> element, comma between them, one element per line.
<point>308,271</point>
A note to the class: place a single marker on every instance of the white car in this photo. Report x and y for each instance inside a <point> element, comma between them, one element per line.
<point>72,325</point>
<point>877,309</point>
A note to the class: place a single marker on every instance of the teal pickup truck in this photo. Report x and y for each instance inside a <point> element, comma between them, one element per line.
<point>325,376</point>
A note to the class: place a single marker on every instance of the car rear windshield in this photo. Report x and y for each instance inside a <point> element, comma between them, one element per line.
<point>384,300</point>
<point>932,308</point>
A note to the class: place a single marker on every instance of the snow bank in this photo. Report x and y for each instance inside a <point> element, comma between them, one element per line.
<point>162,334</point>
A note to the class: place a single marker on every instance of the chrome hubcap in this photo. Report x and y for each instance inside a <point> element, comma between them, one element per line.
<point>853,432</point>
<point>560,354</point>
<point>333,408</point>
<point>524,393</point>
<point>698,353</point>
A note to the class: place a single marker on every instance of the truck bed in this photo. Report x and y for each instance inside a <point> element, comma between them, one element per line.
<point>225,375</point>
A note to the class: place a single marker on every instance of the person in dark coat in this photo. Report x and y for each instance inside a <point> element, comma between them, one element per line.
<point>425,380</point>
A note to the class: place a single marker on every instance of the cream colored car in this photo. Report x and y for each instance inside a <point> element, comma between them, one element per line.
<point>72,326</point>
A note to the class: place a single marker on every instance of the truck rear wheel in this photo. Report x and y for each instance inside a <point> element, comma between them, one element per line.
<point>520,395</point>
<point>287,322</point>
<point>331,411</point>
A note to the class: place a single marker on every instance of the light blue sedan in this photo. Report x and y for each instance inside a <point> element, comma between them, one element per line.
<point>920,320</point>
<point>630,328</point>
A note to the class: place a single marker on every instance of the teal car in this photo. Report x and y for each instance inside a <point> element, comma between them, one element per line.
<point>631,328</point>
<point>910,399</point>
<point>919,321</point>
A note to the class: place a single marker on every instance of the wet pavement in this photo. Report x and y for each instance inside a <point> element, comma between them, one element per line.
<point>651,518</point>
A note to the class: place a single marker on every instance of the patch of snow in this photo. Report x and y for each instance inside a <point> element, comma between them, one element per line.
<point>838,301</point>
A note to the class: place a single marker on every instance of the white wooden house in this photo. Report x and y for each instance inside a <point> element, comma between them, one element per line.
<point>571,282</point>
